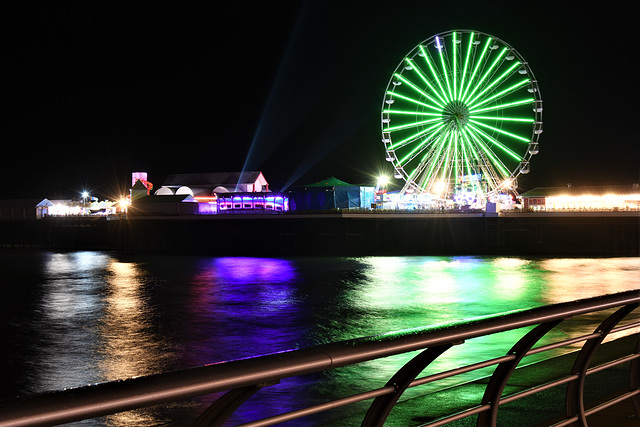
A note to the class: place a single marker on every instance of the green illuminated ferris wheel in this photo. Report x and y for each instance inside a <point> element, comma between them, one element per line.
<point>461,117</point>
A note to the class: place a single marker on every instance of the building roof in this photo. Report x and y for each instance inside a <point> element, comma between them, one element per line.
<point>165,199</point>
<point>139,185</point>
<point>622,190</point>
<point>45,203</point>
<point>212,179</point>
<point>330,182</point>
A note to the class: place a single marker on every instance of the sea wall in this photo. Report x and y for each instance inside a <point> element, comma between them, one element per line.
<point>345,234</point>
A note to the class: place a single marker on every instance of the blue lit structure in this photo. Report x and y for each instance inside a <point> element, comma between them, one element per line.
<point>329,194</point>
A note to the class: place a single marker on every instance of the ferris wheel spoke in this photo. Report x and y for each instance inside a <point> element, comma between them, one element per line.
<point>411,125</point>
<point>466,64</point>
<point>479,62</point>
<point>433,161</point>
<point>485,144</point>
<point>412,113</point>
<point>414,101</point>
<point>484,158</point>
<point>484,79</point>
<point>502,94</point>
<point>496,82</point>
<point>503,119</point>
<point>454,48</point>
<point>494,143</point>
<point>413,66</point>
<point>503,106</point>
<point>419,91</point>
<point>467,156</point>
<point>416,136</point>
<point>503,132</point>
<point>436,76</point>
<point>421,178</point>
<point>445,72</point>
<point>417,149</point>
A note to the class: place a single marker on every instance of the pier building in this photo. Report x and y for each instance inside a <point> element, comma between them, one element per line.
<point>582,198</point>
<point>212,193</point>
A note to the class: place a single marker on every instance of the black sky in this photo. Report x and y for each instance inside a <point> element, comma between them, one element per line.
<point>95,90</point>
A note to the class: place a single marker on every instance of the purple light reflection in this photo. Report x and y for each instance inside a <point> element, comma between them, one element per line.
<point>242,307</point>
<point>237,300</point>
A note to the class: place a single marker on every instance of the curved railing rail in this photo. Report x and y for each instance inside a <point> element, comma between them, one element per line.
<point>240,379</point>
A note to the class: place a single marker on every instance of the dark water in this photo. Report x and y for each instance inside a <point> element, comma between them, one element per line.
<point>70,319</point>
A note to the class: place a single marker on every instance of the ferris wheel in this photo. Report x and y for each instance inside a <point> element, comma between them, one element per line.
<point>461,117</point>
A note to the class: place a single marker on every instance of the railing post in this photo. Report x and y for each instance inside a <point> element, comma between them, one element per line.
<point>503,371</point>
<point>382,406</point>
<point>574,400</point>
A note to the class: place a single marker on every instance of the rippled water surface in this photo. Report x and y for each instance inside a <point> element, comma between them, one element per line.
<point>74,318</point>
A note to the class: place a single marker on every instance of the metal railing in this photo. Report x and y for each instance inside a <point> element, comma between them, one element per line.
<point>240,379</point>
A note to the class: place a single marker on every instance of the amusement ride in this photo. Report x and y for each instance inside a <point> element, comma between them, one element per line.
<point>461,118</point>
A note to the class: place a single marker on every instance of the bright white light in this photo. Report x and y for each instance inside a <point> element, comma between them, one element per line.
<point>438,187</point>
<point>508,183</point>
<point>438,44</point>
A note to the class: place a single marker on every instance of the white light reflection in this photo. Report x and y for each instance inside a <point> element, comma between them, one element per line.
<point>130,347</point>
<point>69,303</point>
<point>576,278</point>
<point>513,276</point>
<point>569,279</point>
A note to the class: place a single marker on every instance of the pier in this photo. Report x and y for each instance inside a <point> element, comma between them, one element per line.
<point>340,234</point>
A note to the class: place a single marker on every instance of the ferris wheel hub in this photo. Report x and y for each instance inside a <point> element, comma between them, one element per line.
<point>455,115</point>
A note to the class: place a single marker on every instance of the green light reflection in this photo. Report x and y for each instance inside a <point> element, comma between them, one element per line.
<point>399,293</point>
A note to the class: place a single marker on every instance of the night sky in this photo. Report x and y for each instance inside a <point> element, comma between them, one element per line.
<point>92,91</point>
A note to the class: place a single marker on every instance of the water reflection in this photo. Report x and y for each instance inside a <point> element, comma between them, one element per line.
<point>240,306</point>
<point>245,306</point>
<point>575,278</point>
<point>99,316</point>
<point>398,293</point>
<point>64,325</point>
<point>129,346</point>
<point>404,292</point>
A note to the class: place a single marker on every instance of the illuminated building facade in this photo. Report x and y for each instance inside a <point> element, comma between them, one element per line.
<point>92,207</point>
<point>251,202</point>
<point>595,198</point>
<point>219,192</point>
